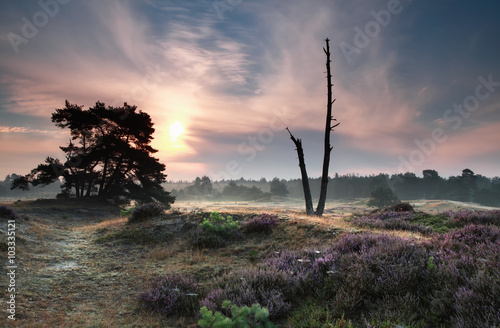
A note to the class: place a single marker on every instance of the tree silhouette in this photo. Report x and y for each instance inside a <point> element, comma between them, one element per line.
<point>108,156</point>
<point>382,197</point>
<point>278,188</point>
<point>327,148</point>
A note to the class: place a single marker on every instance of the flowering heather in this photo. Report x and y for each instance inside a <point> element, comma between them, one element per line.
<point>464,217</point>
<point>468,274</point>
<point>171,294</point>
<point>270,288</point>
<point>8,213</point>
<point>262,223</point>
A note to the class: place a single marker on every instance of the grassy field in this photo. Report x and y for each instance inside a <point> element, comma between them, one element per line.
<point>80,264</point>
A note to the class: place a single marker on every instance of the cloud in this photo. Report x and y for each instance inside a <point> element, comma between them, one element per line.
<point>18,129</point>
<point>262,67</point>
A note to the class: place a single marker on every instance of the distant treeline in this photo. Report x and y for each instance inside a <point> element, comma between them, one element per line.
<point>467,187</point>
<point>49,191</point>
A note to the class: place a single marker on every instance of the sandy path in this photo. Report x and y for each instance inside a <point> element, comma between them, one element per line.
<point>65,279</point>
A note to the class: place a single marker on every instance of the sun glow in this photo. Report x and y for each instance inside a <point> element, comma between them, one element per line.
<point>176,130</point>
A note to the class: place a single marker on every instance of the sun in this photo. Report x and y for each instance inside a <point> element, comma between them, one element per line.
<point>176,129</point>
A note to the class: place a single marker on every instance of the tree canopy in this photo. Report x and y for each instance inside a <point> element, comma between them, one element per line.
<point>108,156</point>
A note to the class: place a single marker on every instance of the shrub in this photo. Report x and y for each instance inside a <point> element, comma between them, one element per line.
<point>218,224</point>
<point>402,207</point>
<point>262,223</point>
<point>126,212</point>
<point>465,217</point>
<point>8,213</point>
<point>382,197</point>
<point>215,231</point>
<point>145,212</point>
<point>439,223</point>
<point>467,287</point>
<point>241,317</point>
<point>171,294</point>
<point>273,289</point>
<point>391,220</point>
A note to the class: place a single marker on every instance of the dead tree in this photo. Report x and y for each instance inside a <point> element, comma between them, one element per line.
<point>327,148</point>
<point>303,172</point>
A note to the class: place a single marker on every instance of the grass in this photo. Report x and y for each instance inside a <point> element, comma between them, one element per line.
<point>131,236</point>
<point>116,261</point>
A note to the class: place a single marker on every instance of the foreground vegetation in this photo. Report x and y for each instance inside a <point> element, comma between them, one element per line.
<point>360,279</point>
<point>389,268</point>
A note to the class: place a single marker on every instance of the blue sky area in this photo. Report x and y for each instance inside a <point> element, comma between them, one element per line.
<point>417,82</point>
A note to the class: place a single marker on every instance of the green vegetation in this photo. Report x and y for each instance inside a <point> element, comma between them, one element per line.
<point>126,212</point>
<point>440,223</point>
<point>3,246</point>
<point>313,315</point>
<point>382,197</point>
<point>241,317</point>
<point>219,225</point>
<point>108,157</point>
<point>216,231</point>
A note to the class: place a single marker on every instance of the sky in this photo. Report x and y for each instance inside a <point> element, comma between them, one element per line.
<point>416,83</point>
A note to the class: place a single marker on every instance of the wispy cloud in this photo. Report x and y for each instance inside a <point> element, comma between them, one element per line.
<point>18,129</point>
<point>228,80</point>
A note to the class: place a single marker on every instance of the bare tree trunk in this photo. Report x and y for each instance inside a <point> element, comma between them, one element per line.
<point>328,128</point>
<point>328,148</point>
<point>303,171</point>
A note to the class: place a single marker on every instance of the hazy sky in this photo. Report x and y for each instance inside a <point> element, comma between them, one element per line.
<point>417,82</point>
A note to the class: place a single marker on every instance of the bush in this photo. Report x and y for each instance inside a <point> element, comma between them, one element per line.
<point>465,217</point>
<point>8,213</point>
<point>241,317</point>
<point>126,212</point>
<point>273,289</point>
<point>402,207</point>
<point>439,223</point>
<point>216,231</point>
<point>382,197</point>
<point>171,294</point>
<point>218,224</point>
<point>145,212</point>
<point>391,220</point>
<point>262,223</point>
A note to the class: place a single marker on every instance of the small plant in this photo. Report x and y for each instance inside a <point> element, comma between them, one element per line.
<point>253,255</point>
<point>146,212</point>
<point>216,231</point>
<point>126,212</point>
<point>171,294</point>
<point>430,264</point>
<point>65,216</point>
<point>262,223</point>
<point>218,224</point>
<point>241,317</point>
